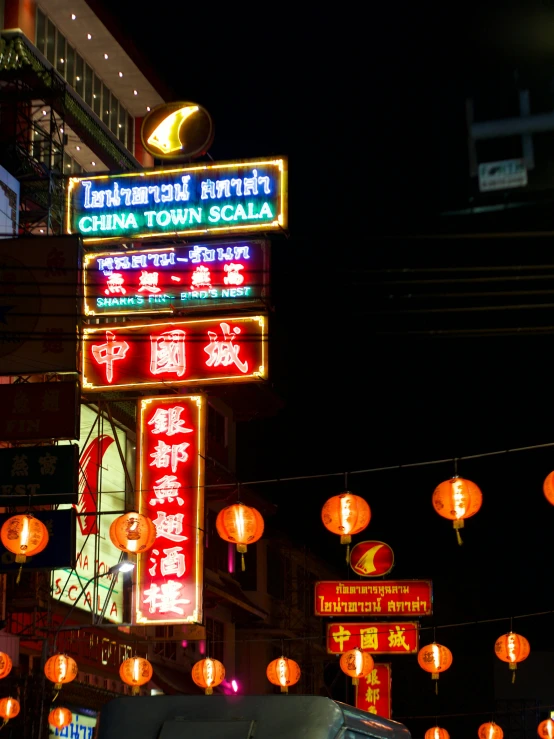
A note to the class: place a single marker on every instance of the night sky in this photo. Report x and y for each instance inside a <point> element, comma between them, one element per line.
<point>369,108</point>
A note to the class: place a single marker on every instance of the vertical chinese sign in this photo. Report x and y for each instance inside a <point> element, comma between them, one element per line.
<point>373,694</point>
<point>170,490</point>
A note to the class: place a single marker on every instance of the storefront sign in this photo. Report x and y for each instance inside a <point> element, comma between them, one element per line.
<point>371,558</point>
<point>389,637</point>
<point>170,490</point>
<point>209,275</point>
<point>156,354</point>
<point>373,693</point>
<point>33,411</point>
<point>39,304</point>
<point>390,597</point>
<point>39,475</point>
<point>177,130</point>
<point>209,199</point>
<point>60,551</point>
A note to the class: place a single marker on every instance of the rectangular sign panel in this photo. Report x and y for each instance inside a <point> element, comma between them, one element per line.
<point>387,598</point>
<point>502,175</point>
<point>35,411</point>
<point>39,475</point>
<point>379,638</point>
<point>170,490</point>
<point>373,693</point>
<point>177,278</point>
<point>210,199</point>
<point>39,304</point>
<point>167,352</point>
<point>60,551</point>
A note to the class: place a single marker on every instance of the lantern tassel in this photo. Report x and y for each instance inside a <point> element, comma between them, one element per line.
<point>437,687</point>
<point>458,537</point>
<point>513,676</point>
<point>348,554</point>
<point>18,578</point>
<point>4,722</point>
<point>55,695</point>
<point>242,562</point>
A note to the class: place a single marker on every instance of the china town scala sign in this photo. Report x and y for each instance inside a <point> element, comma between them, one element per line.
<point>389,597</point>
<point>156,354</point>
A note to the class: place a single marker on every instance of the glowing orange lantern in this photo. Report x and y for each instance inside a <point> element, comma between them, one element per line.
<point>241,525</point>
<point>346,514</point>
<point>136,671</point>
<point>208,674</point>
<point>60,717</point>
<point>512,648</point>
<point>490,730</point>
<point>546,729</point>
<point>434,658</point>
<point>5,665</point>
<point>132,532</point>
<point>283,672</point>
<point>456,500</point>
<point>356,664</point>
<point>436,733</point>
<point>548,488</point>
<point>24,535</point>
<point>60,669</point>
<point>9,708</point>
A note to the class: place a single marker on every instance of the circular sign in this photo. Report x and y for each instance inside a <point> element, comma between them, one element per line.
<point>371,558</point>
<point>177,131</point>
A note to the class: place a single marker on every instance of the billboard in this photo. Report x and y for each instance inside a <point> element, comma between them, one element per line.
<point>197,199</point>
<point>170,491</point>
<point>101,491</point>
<point>39,304</point>
<point>33,411</point>
<point>388,637</point>
<point>39,475</point>
<point>166,352</point>
<point>176,278</point>
<point>386,598</point>
<point>373,693</point>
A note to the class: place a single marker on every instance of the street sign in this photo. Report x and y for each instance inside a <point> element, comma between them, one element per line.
<point>502,175</point>
<point>371,558</point>
<point>60,551</point>
<point>386,598</point>
<point>34,411</point>
<point>39,475</point>
<point>373,693</point>
<point>385,637</point>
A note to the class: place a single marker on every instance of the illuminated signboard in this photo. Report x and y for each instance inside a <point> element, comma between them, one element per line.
<point>167,352</point>
<point>389,637</point>
<point>371,558</point>
<point>386,598</point>
<point>170,490</point>
<point>177,131</point>
<point>211,199</point>
<point>101,490</point>
<point>176,278</point>
<point>373,693</point>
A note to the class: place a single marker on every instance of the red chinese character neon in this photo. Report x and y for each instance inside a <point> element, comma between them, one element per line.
<point>201,277</point>
<point>165,598</point>
<point>164,454</point>
<point>224,352</point>
<point>110,352</point>
<point>114,284</point>
<point>233,276</point>
<point>173,563</point>
<point>168,353</point>
<point>168,421</point>
<point>169,526</point>
<point>149,282</point>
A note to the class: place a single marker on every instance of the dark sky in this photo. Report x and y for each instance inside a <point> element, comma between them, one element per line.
<point>367,102</point>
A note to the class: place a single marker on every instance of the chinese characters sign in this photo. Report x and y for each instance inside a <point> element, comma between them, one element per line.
<point>386,598</point>
<point>32,411</point>
<point>379,638</point>
<point>170,489</point>
<point>39,475</point>
<point>208,199</point>
<point>166,352</point>
<point>176,278</point>
<point>371,558</point>
<point>373,693</point>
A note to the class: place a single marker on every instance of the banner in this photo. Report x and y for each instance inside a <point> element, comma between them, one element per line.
<point>39,475</point>
<point>373,693</point>
<point>391,637</point>
<point>33,411</point>
<point>387,598</point>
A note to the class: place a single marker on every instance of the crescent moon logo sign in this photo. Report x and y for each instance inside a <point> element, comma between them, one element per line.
<point>371,558</point>
<point>90,462</point>
<point>177,131</point>
<point>366,562</point>
<point>166,136</point>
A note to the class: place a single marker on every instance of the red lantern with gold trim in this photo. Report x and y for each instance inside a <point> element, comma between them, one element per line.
<point>241,525</point>
<point>9,708</point>
<point>546,729</point>
<point>136,671</point>
<point>457,499</point>
<point>490,730</point>
<point>512,648</point>
<point>283,672</point>
<point>208,673</point>
<point>356,664</point>
<point>346,514</point>
<point>60,669</point>
<point>60,717</point>
<point>436,733</point>
<point>5,665</point>
<point>434,658</point>
<point>133,533</point>
<point>24,535</point>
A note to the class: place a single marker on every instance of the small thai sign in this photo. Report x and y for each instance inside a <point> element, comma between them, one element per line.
<point>371,558</point>
<point>387,598</point>
<point>174,352</point>
<point>60,551</point>
<point>177,278</point>
<point>373,693</point>
<point>39,475</point>
<point>194,200</point>
<point>388,637</point>
<point>33,411</point>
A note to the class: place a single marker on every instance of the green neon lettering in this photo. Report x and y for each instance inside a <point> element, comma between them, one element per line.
<point>214,216</point>
<point>162,218</point>
<point>265,211</point>
<point>179,217</point>
<point>195,214</point>
<point>240,211</point>
<point>226,218</point>
<point>131,221</point>
<point>119,220</point>
<point>149,214</point>
<point>82,227</point>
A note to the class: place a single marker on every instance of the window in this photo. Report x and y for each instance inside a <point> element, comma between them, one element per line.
<point>215,638</point>
<point>114,113</point>
<point>70,65</point>
<point>61,53</point>
<point>41,31</point>
<point>122,125</point>
<point>88,85</point>
<point>106,105</point>
<point>97,96</point>
<point>79,75</point>
<point>50,41</point>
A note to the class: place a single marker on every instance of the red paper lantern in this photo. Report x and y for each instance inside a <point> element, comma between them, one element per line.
<point>283,672</point>
<point>548,488</point>
<point>133,533</point>
<point>241,525</point>
<point>208,673</point>
<point>60,717</point>
<point>24,535</point>
<point>5,665</point>
<point>346,514</point>
<point>546,729</point>
<point>457,499</point>
<point>490,730</point>
<point>60,669</point>
<point>9,708</point>
<point>135,671</point>
<point>434,658</point>
<point>512,648</point>
<point>356,664</point>
<point>437,733</point>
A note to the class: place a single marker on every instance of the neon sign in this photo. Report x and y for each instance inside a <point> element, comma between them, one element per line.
<point>198,199</point>
<point>170,490</point>
<point>176,278</point>
<point>167,352</point>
